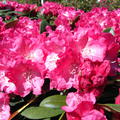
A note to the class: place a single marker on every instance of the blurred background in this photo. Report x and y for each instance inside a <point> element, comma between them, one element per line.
<point>85,5</point>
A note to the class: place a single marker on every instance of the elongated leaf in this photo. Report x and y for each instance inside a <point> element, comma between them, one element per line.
<point>11,12</point>
<point>55,101</point>
<point>43,25</point>
<point>109,30</point>
<point>40,112</point>
<point>112,107</point>
<point>6,10</point>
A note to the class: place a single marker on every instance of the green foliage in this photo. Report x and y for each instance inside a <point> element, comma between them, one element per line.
<point>40,112</point>
<point>55,101</point>
<point>49,107</point>
<point>85,5</point>
<point>43,25</point>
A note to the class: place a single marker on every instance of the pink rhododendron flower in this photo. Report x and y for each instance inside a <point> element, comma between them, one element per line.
<point>117,99</point>
<point>58,40</point>
<point>51,60</point>
<point>73,100</point>
<point>102,72</point>
<point>94,115</point>
<point>81,107</point>
<point>67,16</point>
<point>96,48</point>
<point>25,32</point>
<point>51,8</point>
<point>5,84</point>
<point>26,77</point>
<point>66,71</point>
<point>4,106</point>
<point>95,52</point>
<point>93,75</point>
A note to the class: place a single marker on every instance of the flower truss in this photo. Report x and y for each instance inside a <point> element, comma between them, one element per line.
<point>73,50</point>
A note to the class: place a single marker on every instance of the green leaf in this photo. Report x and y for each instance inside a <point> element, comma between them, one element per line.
<point>109,30</point>
<point>43,25</point>
<point>40,112</point>
<point>11,12</point>
<point>6,10</point>
<point>55,101</point>
<point>112,107</point>
<point>47,119</point>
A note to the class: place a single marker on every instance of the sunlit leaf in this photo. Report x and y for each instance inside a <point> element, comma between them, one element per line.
<point>55,101</point>
<point>40,112</point>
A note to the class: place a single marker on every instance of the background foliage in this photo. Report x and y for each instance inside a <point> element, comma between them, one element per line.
<point>85,5</point>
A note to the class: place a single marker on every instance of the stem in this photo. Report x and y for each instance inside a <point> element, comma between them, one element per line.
<point>21,109</point>
<point>62,116</point>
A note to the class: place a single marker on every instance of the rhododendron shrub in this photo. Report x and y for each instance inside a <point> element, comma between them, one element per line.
<point>57,48</point>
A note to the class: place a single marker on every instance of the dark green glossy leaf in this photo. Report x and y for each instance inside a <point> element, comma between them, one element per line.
<point>55,101</point>
<point>40,112</point>
<point>112,107</point>
<point>109,30</point>
<point>43,25</point>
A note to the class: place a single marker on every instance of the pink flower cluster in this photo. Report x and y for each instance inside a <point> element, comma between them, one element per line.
<point>77,53</point>
<point>81,107</point>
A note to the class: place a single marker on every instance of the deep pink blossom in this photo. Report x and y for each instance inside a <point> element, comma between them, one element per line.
<point>81,107</point>
<point>4,106</point>
<point>65,75</point>
<point>5,84</point>
<point>67,16</point>
<point>51,8</point>
<point>93,76</point>
<point>117,99</point>
<point>26,77</point>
